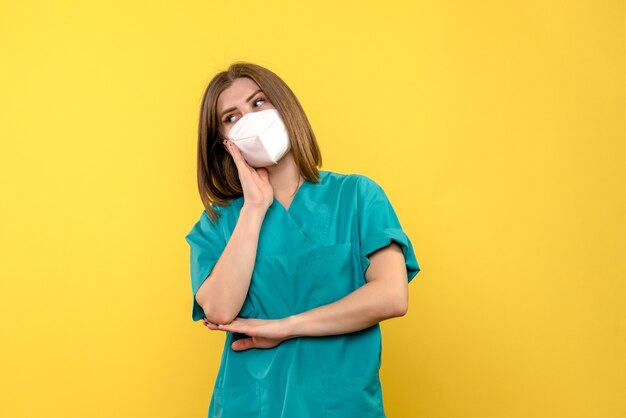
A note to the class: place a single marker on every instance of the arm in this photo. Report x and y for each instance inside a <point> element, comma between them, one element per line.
<point>224,291</point>
<point>385,295</point>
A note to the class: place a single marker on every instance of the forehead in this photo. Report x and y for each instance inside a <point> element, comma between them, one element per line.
<point>236,93</point>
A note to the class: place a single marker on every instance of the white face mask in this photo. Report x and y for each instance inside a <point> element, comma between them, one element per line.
<point>261,137</point>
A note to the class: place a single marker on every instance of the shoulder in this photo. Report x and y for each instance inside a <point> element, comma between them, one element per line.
<point>201,228</point>
<point>358,189</point>
<point>359,183</point>
<point>206,227</point>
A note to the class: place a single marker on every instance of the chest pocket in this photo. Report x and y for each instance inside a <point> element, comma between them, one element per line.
<point>330,273</point>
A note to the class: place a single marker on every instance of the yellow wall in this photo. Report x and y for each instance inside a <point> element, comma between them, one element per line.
<point>496,128</point>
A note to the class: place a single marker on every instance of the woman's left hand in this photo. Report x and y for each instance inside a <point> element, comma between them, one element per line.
<point>262,333</point>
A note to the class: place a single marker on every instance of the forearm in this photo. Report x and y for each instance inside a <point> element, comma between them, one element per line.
<point>364,307</point>
<point>223,293</point>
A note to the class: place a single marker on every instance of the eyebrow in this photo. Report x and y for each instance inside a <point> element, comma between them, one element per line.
<point>234,108</point>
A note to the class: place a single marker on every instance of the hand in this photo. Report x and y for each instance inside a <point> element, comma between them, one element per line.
<point>262,333</point>
<point>257,190</point>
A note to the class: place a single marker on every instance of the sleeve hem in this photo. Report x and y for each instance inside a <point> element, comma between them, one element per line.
<point>380,241</point>
<point>197,313</point>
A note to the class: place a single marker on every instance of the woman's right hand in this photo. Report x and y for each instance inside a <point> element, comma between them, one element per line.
<point>257,189</point>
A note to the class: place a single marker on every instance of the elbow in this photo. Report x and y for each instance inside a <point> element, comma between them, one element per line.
<point>397,305</point>
<point>399,308</point>
<point>217,317</point>
<point>214,314</point>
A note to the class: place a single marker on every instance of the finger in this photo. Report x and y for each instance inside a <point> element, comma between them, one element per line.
<point>243,344</point>
<point>228,148</point>
<point>237,320</point>
<point>209,325</point>
<point>244,169</point>
<point>236,154</point>
<point>230,327</point>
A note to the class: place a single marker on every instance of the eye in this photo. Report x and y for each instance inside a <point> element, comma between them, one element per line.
<point>230,118</point>
<point>259,100</point>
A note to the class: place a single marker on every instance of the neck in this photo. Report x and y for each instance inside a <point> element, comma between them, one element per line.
<point>285,177</point>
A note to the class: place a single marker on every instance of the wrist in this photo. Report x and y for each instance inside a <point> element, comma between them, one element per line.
<point>293,326</point>
<point>253,212</point>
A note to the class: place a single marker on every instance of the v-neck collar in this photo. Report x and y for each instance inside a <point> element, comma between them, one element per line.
<point>305,223</point>
<point>288,211</point>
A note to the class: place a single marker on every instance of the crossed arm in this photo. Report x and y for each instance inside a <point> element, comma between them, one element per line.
<point>385,295</point>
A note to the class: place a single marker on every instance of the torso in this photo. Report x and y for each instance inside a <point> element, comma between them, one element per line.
<point>308,255</point>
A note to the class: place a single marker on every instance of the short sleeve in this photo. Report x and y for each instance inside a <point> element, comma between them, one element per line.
<point>379,226</point>
<point>206,242</point>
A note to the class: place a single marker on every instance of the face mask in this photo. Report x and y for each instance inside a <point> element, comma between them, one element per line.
<point>261,137</point>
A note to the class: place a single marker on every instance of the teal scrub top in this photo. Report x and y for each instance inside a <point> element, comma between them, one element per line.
<point>313,254</point>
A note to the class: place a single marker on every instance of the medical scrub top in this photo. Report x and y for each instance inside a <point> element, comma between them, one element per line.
<point>310,255</point>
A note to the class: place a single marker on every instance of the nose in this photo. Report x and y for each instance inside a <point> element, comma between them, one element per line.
<point>244,111</point>
<point>247,108</point>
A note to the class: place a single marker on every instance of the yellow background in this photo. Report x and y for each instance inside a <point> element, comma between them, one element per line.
<point>497,129</point>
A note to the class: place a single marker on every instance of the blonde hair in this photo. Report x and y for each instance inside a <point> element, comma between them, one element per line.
<point>218,181</point>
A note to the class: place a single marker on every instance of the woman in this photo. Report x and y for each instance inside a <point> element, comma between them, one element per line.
<point>297,265</point>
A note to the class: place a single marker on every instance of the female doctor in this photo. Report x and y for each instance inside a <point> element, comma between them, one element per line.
<point>295,264</point>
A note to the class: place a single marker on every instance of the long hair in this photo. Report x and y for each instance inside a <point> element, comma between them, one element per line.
<point>218,181</point>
